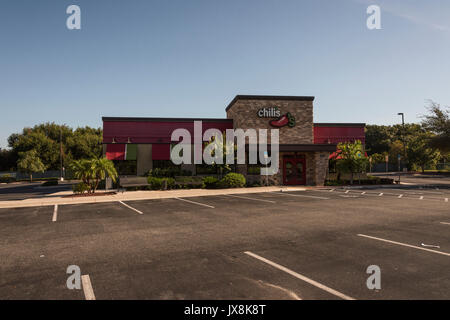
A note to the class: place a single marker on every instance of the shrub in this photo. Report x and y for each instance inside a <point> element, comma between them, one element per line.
<point>232,180</point>
<point>168,172</point>
<point>154,183</point>
<point>50,182</point>
<point>210,182</point>
<point>7,179</point>
<point>189,182</point>
<point>158,183</point>
<point>170,183</point>
<point>80,188</point>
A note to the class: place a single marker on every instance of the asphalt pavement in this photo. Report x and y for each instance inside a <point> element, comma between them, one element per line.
<point>312,244</point>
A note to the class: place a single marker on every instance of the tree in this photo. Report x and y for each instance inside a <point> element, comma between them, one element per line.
<point>351,158</point>
<point>84,143</point>
<point>438,122</point>
<point>92,171</point>
<point>101,168</point>
<point>82,170</point>
<point>47,139</point>
<point>30,163</point>
<point>378,138</point>
<point>7,160</point>
<point>420,154</point>
<point>395,149</point>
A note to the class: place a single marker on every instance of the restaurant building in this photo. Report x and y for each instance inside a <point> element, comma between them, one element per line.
<point>138,145</point>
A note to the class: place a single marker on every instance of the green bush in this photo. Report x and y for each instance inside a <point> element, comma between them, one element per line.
<point>170,183</point>
<point>50,182</point>
<point>158,183</point>
<point>7,179</point>
<point>80,188</point>
<point>154,183</point>
<point>210,182</point>
<point>232,180</point>
<point>188,182</point>
<point>168,172</point>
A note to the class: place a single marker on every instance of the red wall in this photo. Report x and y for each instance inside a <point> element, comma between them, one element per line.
<point>153,131</point>
<point>161,131</point>
<point>336,134</point>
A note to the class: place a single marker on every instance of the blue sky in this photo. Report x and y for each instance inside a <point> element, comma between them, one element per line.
<point>189,58</point>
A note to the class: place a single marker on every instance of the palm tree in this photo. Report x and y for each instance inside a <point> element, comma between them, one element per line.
<point>92,171</point>
<point>82,170</point>
<point>101,168</point>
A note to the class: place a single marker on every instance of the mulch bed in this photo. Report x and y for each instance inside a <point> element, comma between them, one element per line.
<point>84,195</point>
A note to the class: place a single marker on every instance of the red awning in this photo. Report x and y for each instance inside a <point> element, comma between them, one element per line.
<point>115,151</point>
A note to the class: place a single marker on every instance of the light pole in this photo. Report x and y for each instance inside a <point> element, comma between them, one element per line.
<point>404,142</point>
<point>61,152</point>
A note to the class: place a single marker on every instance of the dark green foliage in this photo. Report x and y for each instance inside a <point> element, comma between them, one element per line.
<point>80,188</point>
<point>7,179</point>
<point>168,172</point>
<point>161,183</point>
<point>232,180</point>
<point>210,182</point>
<point>82,143</point>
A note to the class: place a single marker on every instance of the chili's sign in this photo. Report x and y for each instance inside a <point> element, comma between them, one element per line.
<point>280,120</point>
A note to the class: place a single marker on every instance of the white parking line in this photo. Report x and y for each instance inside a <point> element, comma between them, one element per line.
<point>446,199</point>
<point>414,192</point>
<point>140,212</point>
<point>299,195</point>
<point>55,213</point>
<point>87,287</point>
<point>299,276</point>
<point>231,195</point>
<point>198,203</point>
<point>400,196</point>
<point>404,245</point>
<point>448,223</point>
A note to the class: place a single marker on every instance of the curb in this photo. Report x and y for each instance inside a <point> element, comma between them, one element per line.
<point>142,195</point>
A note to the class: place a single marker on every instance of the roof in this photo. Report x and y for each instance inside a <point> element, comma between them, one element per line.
<point>119,119</point>
<point>257,97</point>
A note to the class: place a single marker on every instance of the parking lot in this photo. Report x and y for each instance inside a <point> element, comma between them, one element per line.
<point>312,244</point>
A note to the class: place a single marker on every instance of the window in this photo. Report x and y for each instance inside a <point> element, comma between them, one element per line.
<point>126,167</point>
<point>164,164</point>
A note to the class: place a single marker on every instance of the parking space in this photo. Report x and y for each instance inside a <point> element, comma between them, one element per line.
<point>426,194</point>
<point>313,244</point>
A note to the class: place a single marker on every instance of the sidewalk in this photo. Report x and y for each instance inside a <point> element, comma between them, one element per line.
<point>136,195</point>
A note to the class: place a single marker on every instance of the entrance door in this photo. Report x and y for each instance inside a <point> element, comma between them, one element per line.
<point>294,171</point>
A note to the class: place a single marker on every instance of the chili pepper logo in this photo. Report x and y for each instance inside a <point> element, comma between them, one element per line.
<point>284,120</point>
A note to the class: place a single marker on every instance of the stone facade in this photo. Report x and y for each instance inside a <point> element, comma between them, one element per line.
<point>244,113</point>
